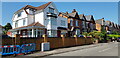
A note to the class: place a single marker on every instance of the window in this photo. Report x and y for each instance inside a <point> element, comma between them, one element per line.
<point>83,24</point>
<point>62,23</point>
<point>19,14</point>
<point>71,22</point>
<point>53,21</point>
<point>77,32</point>
<point>24,22</point>
<point>16,23</point>
<point>76,22</point>
<point>51,10</point>
<point>53,33</point>
<point>30,32</point>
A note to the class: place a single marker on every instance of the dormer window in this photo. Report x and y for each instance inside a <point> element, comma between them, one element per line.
<point>19,14</point>
<point>51,10</point>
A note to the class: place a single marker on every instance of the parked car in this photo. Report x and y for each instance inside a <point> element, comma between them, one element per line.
<point>118,39</point>
<point>80,36</point>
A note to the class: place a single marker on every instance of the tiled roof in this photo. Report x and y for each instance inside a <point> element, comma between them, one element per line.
<point>33,24</point>
<point>69,14</point>
<point>99,21</point>
<point>89,17</point>
<point>72,14</point>
<point>36,8</point>
<point>64,14</point>
<point>81,16</point>
<point>108,23</point>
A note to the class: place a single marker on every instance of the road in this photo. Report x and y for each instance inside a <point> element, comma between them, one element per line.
<point>108,49</point>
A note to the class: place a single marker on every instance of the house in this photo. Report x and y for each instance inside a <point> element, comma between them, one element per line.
<point>62,28</point>
<point>84,27</point>
<point>108,24</point>
<point>100,24</point>
<point>32,21</point>
<point>74,22</point>
<point>90,23</point>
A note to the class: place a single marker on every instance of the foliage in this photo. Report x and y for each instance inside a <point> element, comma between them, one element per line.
<point>113,35</point>
<point>85,33</point>
<point>7,26</point>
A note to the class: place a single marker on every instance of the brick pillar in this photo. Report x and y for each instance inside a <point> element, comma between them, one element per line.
<point>45,37</point>
<point>63,40</point>
<point>76,39</point>
<point>17,39</point>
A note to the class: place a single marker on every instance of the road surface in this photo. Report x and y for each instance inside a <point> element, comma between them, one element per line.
<point>107,49</point>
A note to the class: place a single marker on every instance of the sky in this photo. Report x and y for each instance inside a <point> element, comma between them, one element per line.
<point>108,10</point>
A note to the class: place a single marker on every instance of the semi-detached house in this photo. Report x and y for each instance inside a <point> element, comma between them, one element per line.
<point>32,21</point>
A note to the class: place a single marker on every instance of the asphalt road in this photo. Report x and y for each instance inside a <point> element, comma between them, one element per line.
<point>108,49</point>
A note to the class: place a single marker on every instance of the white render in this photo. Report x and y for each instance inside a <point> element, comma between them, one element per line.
<point>41,17</point>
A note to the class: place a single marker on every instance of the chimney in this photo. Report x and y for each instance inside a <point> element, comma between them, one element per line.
<point>74,10</point>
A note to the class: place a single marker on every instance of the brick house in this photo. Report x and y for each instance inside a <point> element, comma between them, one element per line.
<point>74,22</point>
<point>90,23</point>
<point>108,26</point>
<point>100,23</point>
<point>84,27</point>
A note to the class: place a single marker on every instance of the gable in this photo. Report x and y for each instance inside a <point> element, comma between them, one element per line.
<point>52,5</point>
<point>77,16</point>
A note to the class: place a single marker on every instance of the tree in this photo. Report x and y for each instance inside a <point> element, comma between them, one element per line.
<point>7,26</point>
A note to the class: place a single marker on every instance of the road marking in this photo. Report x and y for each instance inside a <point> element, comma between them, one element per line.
<point>104,50</point>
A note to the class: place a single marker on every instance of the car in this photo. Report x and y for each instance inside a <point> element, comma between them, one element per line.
<point>118,39</point>
<point>80,36</point>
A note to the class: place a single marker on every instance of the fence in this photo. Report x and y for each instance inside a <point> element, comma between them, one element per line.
<point>55,42</point>
<point>16,49</point>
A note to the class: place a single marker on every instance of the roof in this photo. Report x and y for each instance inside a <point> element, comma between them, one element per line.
<point>81,16</point>
<point>88,18</point>
<point>33,24</point>
<point>72,14</point>
<point>69,14</point>
<point>108,23</point>
<point>36,8</point>
<point>64,14</point>
<point>99,21</point>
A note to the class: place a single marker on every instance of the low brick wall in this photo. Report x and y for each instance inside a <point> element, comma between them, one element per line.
<point>55,42</point>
